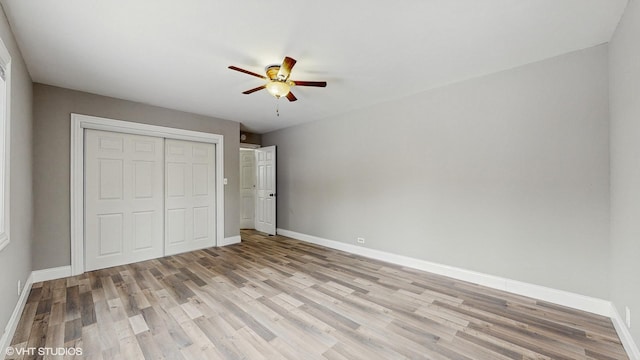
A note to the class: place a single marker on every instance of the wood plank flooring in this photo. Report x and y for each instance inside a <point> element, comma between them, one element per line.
<point>278,298</point>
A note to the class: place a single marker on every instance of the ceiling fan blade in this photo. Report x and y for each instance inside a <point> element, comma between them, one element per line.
<point>291,97</point>
<point>285,68</point>
<point>310,83</point>
<point>254,90</point>
<point>247,72</point>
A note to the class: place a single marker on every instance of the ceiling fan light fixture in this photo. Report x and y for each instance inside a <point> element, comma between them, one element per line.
<point>277,80</point>
<point>278,88</point>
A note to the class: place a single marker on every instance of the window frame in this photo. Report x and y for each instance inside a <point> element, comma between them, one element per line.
<point>5,147</point>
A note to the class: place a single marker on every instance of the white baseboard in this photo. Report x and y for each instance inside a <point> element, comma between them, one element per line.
<point>560,297</point>
<point>230,241</point>
<point>10,330</point>
<point>624,334</point>
<point>34,277</point>
<point>51,274</point>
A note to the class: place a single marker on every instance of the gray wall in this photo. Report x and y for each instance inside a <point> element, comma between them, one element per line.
<point>625,166</point>
<point>52,111</point>
<point>506,174</point>
<point>15,259</point>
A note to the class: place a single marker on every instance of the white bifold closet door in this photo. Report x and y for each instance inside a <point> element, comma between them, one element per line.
<point>146,197</point>
<point>189,196</point>
<point>124,209</point>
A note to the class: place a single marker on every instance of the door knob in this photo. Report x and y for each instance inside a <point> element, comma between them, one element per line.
<point>272,195</point>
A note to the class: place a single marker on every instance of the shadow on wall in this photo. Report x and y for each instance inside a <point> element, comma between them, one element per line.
<point>250,138</point>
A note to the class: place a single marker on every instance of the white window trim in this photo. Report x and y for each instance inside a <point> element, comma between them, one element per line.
<point>5,161</point>
<point>79,123</point>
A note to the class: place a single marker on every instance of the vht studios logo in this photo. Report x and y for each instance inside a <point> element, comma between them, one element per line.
<point>42,351</point>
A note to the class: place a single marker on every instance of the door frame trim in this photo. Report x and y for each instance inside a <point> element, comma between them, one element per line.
<point>80,122</point>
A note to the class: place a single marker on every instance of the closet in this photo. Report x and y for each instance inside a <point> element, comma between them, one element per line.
<point>146,197</point>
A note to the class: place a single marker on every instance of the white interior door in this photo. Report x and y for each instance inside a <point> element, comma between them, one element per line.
<point>247,189</point>
<point>123,198</point>
<point>266,189</point>
<point>190,209</point>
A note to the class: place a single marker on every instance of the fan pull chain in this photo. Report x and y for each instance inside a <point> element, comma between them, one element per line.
<point>278,108</point>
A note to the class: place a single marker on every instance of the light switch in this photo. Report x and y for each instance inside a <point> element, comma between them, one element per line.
<point>225,181</point>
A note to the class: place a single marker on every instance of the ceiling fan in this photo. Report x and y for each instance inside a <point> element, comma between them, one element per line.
<point>278,83</point>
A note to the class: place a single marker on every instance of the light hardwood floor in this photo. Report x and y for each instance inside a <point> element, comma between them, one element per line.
<point>278,298</point>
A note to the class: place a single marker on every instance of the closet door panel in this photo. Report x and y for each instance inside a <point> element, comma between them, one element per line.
<point>124,198</point>
<point>190,196</point>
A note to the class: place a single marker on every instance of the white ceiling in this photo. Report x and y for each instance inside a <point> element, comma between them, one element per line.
<point>175,53</point>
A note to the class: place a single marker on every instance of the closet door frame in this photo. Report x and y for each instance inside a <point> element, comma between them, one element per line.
<point>80,122</point>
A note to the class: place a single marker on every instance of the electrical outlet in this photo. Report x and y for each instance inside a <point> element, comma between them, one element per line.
<point>19,287</point>
<point>628,317</point>
<point>361,240</point>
